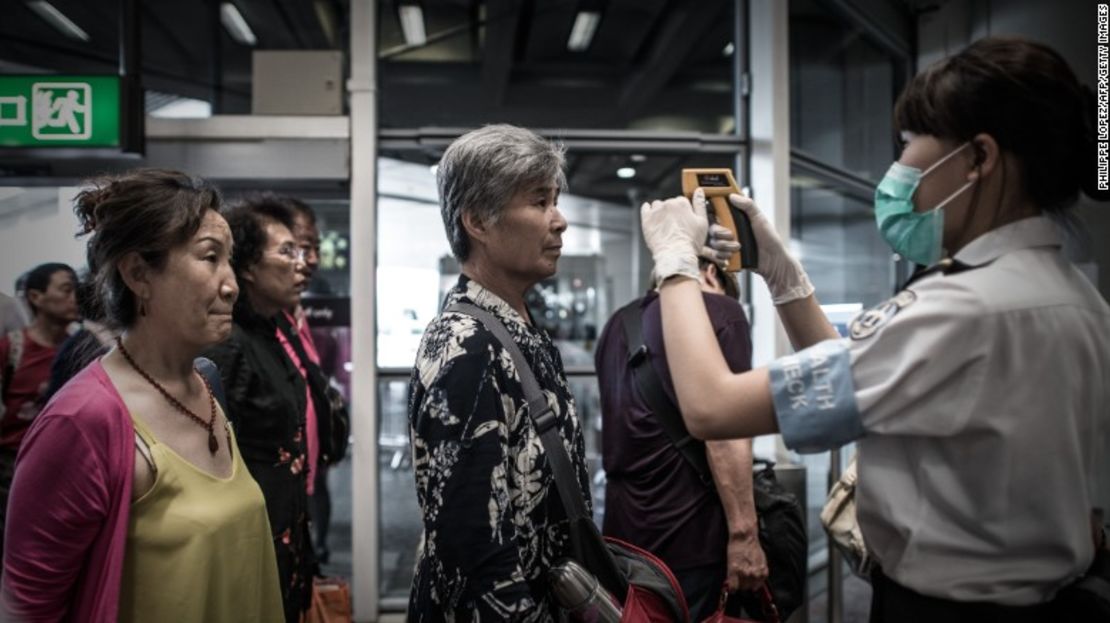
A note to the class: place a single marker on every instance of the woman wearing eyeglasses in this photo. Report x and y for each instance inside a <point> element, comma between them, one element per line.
<point>266,395</point>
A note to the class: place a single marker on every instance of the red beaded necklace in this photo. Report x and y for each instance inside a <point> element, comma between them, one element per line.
<point>213,445</point>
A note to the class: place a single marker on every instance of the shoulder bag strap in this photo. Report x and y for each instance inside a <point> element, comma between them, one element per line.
<point>543,418</point>
<point>314,376</point>
<point>651,390</point>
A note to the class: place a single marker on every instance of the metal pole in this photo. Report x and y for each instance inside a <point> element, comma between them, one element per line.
<point>362,91</point>
<point>835,568</point>
<point>130,38</point>
<point>216,66</point>
<point>741,111</point>
<point>131,105</point>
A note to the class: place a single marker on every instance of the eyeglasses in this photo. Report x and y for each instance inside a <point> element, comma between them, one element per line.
<point>291,252</point>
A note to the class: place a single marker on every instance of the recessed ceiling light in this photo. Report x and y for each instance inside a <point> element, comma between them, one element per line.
<point>236,25</point>
<point>637,158</point>
<point>626,173</point>
<point>582,33</point>
<point>58,20</point>
<point>412,24</point>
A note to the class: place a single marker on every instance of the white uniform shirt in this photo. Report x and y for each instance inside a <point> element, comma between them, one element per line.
<point>980,399</point>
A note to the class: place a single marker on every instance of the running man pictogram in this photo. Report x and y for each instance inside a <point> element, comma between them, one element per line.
<point>61,106</point>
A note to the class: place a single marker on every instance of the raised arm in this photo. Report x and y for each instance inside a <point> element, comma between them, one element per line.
<point>716,403</point>
<point>790,287</point>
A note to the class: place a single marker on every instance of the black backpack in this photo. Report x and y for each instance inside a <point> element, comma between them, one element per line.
<point>782,531</point>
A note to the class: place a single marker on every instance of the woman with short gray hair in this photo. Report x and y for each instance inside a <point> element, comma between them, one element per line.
<point>493,523</point>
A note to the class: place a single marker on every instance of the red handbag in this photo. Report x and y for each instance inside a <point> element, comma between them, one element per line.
<point>770,613</point>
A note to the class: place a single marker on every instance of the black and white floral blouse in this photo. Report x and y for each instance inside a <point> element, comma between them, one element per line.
<point>493,522</point>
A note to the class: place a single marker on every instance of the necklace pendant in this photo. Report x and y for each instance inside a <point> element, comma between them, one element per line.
<point>213,445</point>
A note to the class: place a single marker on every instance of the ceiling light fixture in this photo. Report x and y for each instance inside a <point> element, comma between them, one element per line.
<point>729,49</point>
<point>325,15</point>
<point>58,20</point>
<point>582,33</point>
<point>626,173</point>
<point>236,25</point>
<point>412,24</point>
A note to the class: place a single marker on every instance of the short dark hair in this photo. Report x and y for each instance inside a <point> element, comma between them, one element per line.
<point>300,208</point>
<point>1024,95</point>
<point>145,211</point>
<point>38,279</point>
<point>727,280</point>
<point>247,218</point>
<point>87,304</point>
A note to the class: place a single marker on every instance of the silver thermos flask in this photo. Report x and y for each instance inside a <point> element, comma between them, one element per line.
<point>580,594</point>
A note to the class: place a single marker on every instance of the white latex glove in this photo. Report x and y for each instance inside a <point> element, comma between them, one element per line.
<point>720,246</point>
<point>675,232</point>
<point>785,277</point>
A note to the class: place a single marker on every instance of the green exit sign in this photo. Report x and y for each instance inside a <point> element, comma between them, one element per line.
<point>59,111</point>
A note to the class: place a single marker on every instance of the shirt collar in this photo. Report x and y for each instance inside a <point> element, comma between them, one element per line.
<point>468,289</point>
<point>1028,233</point>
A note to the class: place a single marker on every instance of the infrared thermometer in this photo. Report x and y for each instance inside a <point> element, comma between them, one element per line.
<point>718,184</point>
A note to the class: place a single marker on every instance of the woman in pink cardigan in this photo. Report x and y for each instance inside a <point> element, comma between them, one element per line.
<point>130,501</point>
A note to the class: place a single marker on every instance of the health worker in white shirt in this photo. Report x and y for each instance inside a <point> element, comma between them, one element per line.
<point>979,394</point>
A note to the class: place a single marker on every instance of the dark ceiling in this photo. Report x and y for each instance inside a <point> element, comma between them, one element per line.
<point>656,64</point>
<point>184,50</point>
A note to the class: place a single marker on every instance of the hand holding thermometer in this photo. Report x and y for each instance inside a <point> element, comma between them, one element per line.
<point>718,184</point>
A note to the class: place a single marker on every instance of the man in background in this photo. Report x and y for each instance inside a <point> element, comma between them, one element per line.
<point>701,523</point>
<point>26,356</point>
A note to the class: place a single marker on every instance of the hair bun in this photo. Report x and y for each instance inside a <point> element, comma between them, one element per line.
<point>88,204</point>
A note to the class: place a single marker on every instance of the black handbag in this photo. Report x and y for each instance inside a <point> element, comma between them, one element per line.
<point>333,422</point>
<point>782,533</point>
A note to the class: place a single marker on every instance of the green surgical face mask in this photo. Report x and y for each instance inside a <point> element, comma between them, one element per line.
<point>916,236</point>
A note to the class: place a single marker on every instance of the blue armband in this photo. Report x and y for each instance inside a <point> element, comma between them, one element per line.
<point>815,399</point>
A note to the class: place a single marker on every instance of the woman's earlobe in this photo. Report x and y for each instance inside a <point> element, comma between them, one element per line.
<point>987,154</point>
<point>132,268</point>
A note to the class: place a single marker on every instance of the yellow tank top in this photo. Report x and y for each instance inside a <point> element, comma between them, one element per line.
<point>199,547</point>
